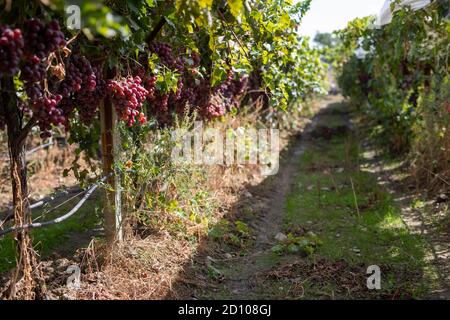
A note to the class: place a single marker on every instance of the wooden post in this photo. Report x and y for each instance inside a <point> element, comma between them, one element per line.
<point>110,144</point>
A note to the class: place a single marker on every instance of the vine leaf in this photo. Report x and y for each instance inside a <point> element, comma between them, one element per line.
<point>236,7</point>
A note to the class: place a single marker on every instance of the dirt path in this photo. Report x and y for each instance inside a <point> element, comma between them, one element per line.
<point>269,224</point>
<point>354,213</point>
<point>238,273</point>
<point>266,226</point>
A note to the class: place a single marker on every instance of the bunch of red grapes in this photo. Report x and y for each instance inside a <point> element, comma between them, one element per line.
<point>88,100</point>
<point>11,50</point>
<point>41,39</point>
<point>148,81</point>
<point>83,89</point>
<point>54,97</point>
<point>48,113</point>
<point>195,92</point>
<point>33,70</point>
<point>128,95</point>
<point>53,109</point>
<point>231,90</point>
<point>28,50</point>
<point>80,76</point>
<point>164,53</point>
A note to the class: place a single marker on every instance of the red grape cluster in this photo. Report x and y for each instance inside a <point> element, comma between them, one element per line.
<point>149,85</point>
<point>34,92</point>
<point>128,95</point>
<point>26,50</point>
<point>167,57</point>
<point>48,113</point>
<point>161,103</point>
<point>41,39</point>
<point>88,101</point>
<point>80,76</point>
<point>148,81</point>
<point>179,92</point>
<point>193,91</point>
<point>76,91</point>
<point>179,65</point>
<point>232,90</point>
<point>45,109</point>
<point>164,52</point>
<point>11,50</point>
<point>222,98</point>
<point>215,107</point>
<point>33,70</point>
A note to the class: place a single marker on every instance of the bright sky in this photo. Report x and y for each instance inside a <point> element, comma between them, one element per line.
<point>330,15</point>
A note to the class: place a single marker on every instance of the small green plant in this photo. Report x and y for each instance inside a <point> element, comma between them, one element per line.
<point>418,204</point>
<point>236,234</point>
<point>303,245</point>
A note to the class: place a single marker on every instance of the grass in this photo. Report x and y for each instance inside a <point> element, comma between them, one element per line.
<point>49,238</point>
<point>355,218</point>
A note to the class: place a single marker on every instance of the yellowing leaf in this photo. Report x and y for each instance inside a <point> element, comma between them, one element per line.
<point>236,7</point>
<point>285,20</point>
<point>205,3</point>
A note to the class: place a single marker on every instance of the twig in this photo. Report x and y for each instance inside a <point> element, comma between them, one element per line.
<point>72,39</point>
<point>354,196</point>
<point>318,191</point>
<point>436,175</point>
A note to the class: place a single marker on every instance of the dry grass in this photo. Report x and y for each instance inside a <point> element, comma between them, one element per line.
<point>137,269</point>
<point>147,268</point>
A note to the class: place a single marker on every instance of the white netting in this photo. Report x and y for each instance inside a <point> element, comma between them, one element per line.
<point>385,15</point>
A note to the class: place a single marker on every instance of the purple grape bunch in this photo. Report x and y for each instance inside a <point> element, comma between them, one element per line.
<point>11,50</point>
<point>41,38</point>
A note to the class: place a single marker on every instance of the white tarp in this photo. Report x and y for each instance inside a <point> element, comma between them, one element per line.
<point>385,15</point>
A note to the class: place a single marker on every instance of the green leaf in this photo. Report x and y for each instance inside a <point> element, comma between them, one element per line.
<point>218,75</point>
